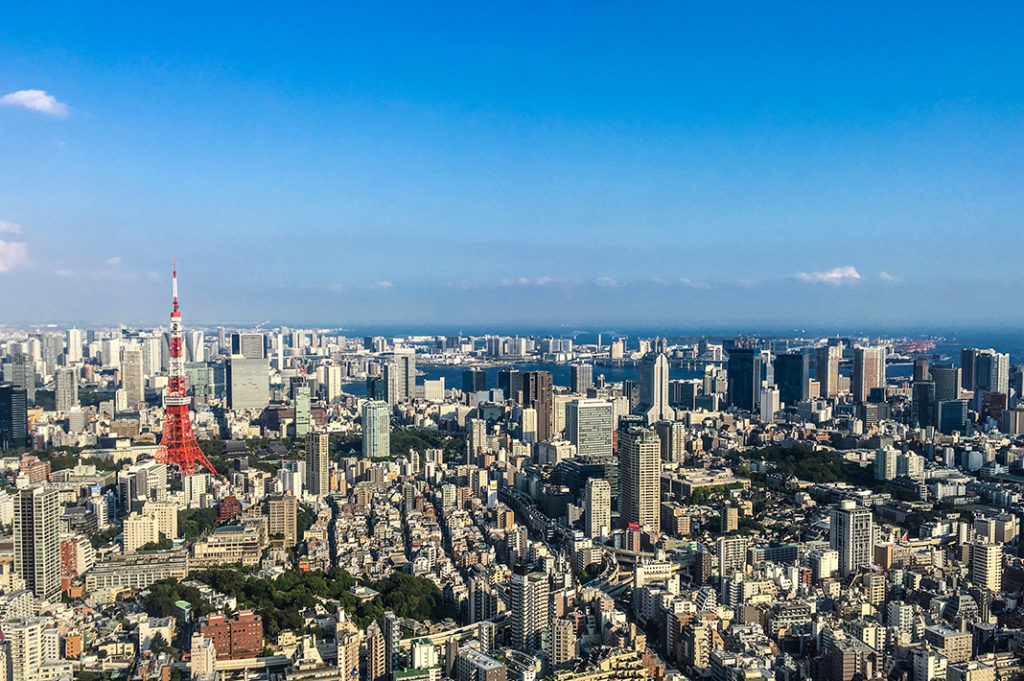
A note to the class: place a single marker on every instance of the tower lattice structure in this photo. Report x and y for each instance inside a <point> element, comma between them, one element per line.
<point>178,445</point>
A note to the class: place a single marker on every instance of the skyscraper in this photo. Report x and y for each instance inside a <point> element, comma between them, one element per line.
<point>793,377</point>
<point>473,380</point>
<point>639,476</point>
<point>967,359</point>
<point>132,378</point>
<point>376,429</point>
<point>744,376</point>
<point>868,371</point>
<point>404,360</point>
<point>852,535</point>
<point>826,369</point>
<point>654,388</point>
<point>23,375</point>
<point>991,372</point>
<point>947,382</point>
<point>317,456</point>
<point>302,406</point>
<point>597,502</point>
<point>510,381</point>
<point>588,425</point>
<point>531,613</point>
<point>538,393</point>
<point>65,390</point>
<point>581,377</point>
<point>37,539</point>
<point>248,383</point>
<point>248,345</point>
<point>13,417</point>
<point>986,565</point>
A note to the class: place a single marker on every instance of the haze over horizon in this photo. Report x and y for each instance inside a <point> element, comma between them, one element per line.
<point>667,165</point>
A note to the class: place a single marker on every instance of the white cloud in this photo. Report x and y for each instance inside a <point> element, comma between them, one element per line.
<point>526,281</point>
<point>36,100</point>
<point>885,276</point>
<point>13,254</point>
<point>692,284</point>
<point>839,275</point>
<point>606,282</point>
<point>113,262</point>
<point>381,285</point>
<point>8,227</point>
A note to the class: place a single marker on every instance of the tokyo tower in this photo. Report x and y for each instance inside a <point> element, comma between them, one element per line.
<point>178,443</point>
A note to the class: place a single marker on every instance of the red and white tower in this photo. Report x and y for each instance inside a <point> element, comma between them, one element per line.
<point>178,443</point>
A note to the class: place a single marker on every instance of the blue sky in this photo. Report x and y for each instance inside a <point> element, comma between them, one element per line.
<point>675,163</point>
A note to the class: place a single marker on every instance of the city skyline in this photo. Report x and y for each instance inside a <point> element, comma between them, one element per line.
<point>785,168</point>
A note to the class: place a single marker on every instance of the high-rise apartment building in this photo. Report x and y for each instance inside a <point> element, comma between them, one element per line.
<point>317,457</point>
<point>65,390</point>
<point>852,535</point>
<point>37,539</point>
<point>987,566</point>
<point>133,379</point>
<point>639,476</point>
<point>282,517</point>
<point>376,429</point>
<point>597,502</point>
<point>531,614</point>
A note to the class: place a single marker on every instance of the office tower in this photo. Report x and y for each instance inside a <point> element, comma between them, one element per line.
<point>682,394</point>
<point>987,566</point>
<point>967,359</point>
<point>376,653</point>
<point>248,345</point>
<point>639,476</point>
<point>769,402</point>
<point>852,535</point>
<point>282,517</point>
<point>588,425</point>
<point>178,445</point>
<point>510,381</point>
<point>402,366</point>
<point>302,415</point>
<point>868,371</point>
<point>744,378</point>
<point>826,369</point>
<point>474,381</point>
<point>66,390</point>
<point>13,417</point>
<point>581,377</point>
<point>377,388</point>
<point>538,393</point>
<point>991,372</point>
<point>654,388</point>
<point>76,339</point>
<point>318,446</point>
<point>248,383</point>
<point>37,539</point>
<point>564,646</point>
<point>921,370</point>
<point>132,379</point>
<point>922,405</point>
<point>597,502</point>
<point>530,615</point>
<point>376,429</point>
<point>947,382</point>
<point>23,375</point>
<point>391,375</point>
